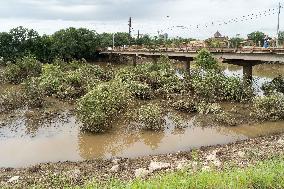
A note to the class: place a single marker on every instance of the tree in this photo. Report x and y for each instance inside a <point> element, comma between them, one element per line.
<point>72,43</point>
<point>144,40</point>
<point>281,37</point>
<point>236,42</point>
<point>205,60</point>
<point>105,40</point>
<point>257,37</point>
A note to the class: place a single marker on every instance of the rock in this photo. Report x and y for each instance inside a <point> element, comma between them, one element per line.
<point>13,179</point>
<point>115,168</point>
<point>141,172</point>
<point>115,161</point>
<point>156,166</point>
<point>181,164</point>
<point>75,174</point>
<point>212,156</point>
<point>217,163</point>
<point>241,154</point>
<point>280,141</point>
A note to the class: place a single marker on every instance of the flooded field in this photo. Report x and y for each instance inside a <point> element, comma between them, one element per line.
<point>27,139</point>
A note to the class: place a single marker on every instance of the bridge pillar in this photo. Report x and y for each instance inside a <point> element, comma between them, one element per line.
<point>247,74</point>
<point>135,60</point>
<point>187,66</point>
<point>155,59</point>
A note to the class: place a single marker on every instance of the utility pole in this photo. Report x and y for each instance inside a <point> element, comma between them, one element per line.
<point>130,28</point>
<point>278,24</point>
<point>113,41</point>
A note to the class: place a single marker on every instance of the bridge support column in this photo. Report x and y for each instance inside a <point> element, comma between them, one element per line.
<point>135,60</point>
<point>187,66</point>
<point>247,74</point>
<point>155,59</point>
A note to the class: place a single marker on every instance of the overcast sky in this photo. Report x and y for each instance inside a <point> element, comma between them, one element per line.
<point>149,16</point>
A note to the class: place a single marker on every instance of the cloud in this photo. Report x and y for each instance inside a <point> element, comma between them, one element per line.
<point>149,16</point>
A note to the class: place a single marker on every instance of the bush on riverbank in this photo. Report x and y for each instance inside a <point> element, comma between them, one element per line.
<point>24,68</point>
<point>160,77</point>
<point>205,60</point>
<point>269,107</point>
<point>98,108</point>
<point>184,105</point>
<point>276,85</point>
<point>150,117</point>
<point>212,85</point>
<point>34,93</point>
<point>11,99</point>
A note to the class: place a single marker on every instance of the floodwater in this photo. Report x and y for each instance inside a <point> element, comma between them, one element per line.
<point>26,140</point>
<point>23,143</point>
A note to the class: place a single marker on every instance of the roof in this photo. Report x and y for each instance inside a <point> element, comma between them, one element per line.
<point>217,35</point>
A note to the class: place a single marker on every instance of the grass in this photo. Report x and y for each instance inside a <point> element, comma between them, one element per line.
<point>267,174</point>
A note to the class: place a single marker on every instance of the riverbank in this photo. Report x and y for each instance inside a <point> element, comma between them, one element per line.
<point>70,174</point>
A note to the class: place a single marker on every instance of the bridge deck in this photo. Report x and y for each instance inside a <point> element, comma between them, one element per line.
<point>269,55</point>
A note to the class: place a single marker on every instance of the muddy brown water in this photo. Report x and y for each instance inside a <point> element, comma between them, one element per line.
<point>23,145</point>
<point>26,141</point>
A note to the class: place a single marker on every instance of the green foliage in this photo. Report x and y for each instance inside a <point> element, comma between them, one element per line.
<point>208,108</point>
<point>51,79</point>
<point>281,37</point>
<point>17,43</point>
<point>276,85</point>
<point>160,77</point>
<point>257,37</point>
<point>11,99</point>
<point>184,105</point>
<point>22,69</point>
<point>269,107</point>
<point>265,174</point>
<point>213,43</point>
<point>140,90</point>
<point>34,93</point>
<point>205,60</point>
<point>236,42</point>
<point>213,85</point>
<point>150,117</point>
<point>98,108</point>
<point>72,43</point>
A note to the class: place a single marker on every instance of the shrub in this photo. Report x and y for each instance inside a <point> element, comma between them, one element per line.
<point>184,105</point>
<point>160,77</point>
<point>100,106</point>
<point>69,66</point>
<point>205,60</point>
<point>72,85</point>
<point>22,69</point>
<point>276,85</point>
<point>150,117</point>
<point>213,85</point>
<point>269,107</point>
<point>11,99</point>
<point>140,90</point>
<point>51,79</point>
<point>34,93</point>
<point>208,108</point>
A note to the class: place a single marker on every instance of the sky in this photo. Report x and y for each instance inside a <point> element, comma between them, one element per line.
<point>148,16</point>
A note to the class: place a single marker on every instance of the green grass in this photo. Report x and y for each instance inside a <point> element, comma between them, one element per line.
<point>267,174</point>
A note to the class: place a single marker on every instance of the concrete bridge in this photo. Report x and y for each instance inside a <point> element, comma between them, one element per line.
<point>247,58</point>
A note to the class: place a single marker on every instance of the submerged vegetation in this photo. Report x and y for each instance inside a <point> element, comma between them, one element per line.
<point>103,94</point>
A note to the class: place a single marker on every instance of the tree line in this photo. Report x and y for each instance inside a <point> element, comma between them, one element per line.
<point>72,43</point>
<point>68,44</point>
